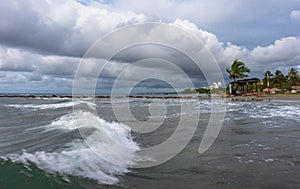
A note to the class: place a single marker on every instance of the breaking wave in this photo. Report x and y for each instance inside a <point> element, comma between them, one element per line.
<point>78,158</point>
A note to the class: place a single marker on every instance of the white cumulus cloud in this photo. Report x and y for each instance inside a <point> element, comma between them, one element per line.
<point>282,50</point>
<point>295,15</point>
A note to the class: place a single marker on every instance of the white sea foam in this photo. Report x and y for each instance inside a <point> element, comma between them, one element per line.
<point>51,106</point>
<point>112,142</point>
<point>268,160</point>
<point>266,110</point>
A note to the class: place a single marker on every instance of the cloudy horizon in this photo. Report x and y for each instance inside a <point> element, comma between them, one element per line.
<point>42,42</point>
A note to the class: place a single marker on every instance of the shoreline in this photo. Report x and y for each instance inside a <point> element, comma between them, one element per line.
<point>294,97</point>
<point>167,96</point>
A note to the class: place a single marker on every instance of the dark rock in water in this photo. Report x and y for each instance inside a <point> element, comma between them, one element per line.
<point>241,131</point>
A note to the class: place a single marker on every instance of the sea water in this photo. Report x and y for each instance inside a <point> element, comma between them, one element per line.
<point>41,145</point>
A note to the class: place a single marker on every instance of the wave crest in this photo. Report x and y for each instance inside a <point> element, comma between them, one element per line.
<point>78,158</point>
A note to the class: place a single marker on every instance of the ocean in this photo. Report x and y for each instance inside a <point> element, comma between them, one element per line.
<point>42,145</point>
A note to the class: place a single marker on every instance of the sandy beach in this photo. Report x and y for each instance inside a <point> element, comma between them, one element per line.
<point>267,97</point>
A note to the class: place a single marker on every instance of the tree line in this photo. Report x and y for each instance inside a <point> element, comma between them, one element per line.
<point>281,81</point>
<point>239,70</point>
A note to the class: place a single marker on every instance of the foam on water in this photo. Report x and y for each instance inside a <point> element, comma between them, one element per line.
<point>79,159</point>
<point>263,111</point>
<point>51,106</point>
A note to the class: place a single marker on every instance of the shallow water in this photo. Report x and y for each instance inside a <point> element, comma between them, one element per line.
<point>41,146</point>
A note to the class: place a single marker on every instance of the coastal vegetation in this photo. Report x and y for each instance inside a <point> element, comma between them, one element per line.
<point>237,70</point>
<point>202,90</point>
<point>275,82</point>
<point>284,83</point>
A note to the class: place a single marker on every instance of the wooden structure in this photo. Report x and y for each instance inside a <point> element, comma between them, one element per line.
<point>244,85</point>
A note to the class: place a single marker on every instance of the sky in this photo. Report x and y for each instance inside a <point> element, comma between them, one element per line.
<point>43,42</point>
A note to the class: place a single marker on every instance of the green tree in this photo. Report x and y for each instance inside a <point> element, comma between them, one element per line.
<point>293,76</point>
<point>203,91</point>
<point>279,79</point>
<point>238,69</point>
<point>267,75</point>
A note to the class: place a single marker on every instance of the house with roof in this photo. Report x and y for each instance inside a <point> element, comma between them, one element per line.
<point>295,89</point>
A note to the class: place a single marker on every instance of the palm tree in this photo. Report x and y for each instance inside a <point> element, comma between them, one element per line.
<point>237,70</point>
<point>267,78</point>
<point>278,78</point>
<point>293,76</point>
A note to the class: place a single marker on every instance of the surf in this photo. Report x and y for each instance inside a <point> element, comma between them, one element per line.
<point>113,143</point>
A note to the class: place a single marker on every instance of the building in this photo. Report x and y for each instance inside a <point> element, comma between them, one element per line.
<point>295,89</point>
<point>243,84</point>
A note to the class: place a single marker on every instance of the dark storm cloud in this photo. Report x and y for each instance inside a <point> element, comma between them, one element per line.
<point>55,27</point>
<point>23,25</point>
<point>159,52</point>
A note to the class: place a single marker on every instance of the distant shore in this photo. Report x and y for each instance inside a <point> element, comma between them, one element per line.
<point>294,97</point>
<point>160,96</point>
